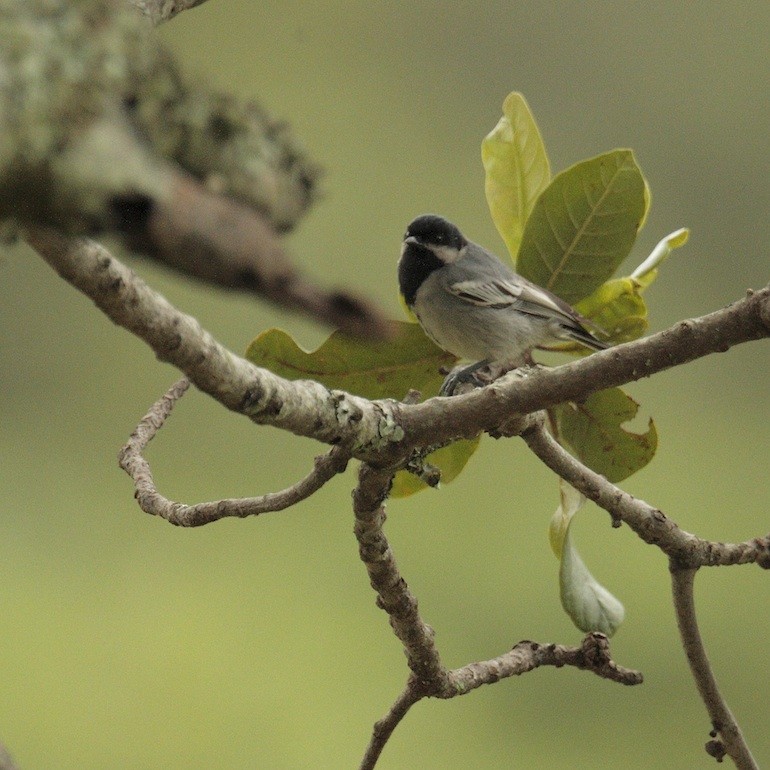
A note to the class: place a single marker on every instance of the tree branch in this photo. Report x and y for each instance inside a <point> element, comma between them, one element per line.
<point>383,728</point>
<point>429,677</point>
<point>188,177</point>
<point>337,417</point>
<point>152,502</point>
<point>162,10</point>
<point>593,655</point>
<point>393,594</point>
<point>381,432</point>
<point>731,740</point>
<point>651,524</point>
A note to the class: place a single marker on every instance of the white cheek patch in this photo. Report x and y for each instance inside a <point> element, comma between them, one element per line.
<point>447,254</point>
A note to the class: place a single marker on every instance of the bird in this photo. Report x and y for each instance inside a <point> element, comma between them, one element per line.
<point>476,307</point>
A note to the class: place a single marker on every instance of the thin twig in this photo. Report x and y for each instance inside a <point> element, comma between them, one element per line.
<point>383,728</point>
<point>151,501</point>
<point>651,524</point>
<point>730,741</point>
<point>593,655</point>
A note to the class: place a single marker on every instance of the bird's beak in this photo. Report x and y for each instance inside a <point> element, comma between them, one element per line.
<point>411,240</point>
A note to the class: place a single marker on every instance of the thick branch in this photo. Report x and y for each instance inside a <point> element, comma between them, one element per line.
<point>188,177</point>
<point>724,724</point>
<point>745,320</point>
<point>381,432</point>
<point>393,594</point>
<point>651,524</point>
<point>305,408</point>
<point>162,10</point>
<point>152,502</point>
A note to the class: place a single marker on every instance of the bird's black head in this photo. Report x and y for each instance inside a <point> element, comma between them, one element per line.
<point>433,230</point>
<point>430,243</point>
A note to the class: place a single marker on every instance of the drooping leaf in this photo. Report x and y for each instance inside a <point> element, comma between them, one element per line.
<point>372,370</point>
<point>588,603</point>
<point>369,369</point>
<point>517,169</point>
<point>583,225</point>
<point>593,430</point>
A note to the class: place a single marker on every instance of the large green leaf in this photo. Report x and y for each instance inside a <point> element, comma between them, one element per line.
<point>593,430</point>
<point>369,369</point>
<point>584,225</point>
<point>517,169</point>
<point>372,370</point>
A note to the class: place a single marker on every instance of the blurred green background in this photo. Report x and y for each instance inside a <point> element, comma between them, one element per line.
<point>127,643</point>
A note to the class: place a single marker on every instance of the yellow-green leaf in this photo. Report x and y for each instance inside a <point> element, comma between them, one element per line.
<point>593,430</point>
<point>372,370</point>
<point>369,369</point>
<point>617,308</point>
<point>517,169</point>
<point>583,225</point>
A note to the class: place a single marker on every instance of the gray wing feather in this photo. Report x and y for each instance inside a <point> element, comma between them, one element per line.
<point>524,297</point>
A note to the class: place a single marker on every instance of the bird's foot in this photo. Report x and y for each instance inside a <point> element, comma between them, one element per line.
<point>464,379</point>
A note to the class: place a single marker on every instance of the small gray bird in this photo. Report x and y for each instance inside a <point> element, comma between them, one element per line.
<point>474,306</point>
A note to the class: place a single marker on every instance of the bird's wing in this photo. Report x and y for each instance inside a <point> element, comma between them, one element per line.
<point>523,296</point>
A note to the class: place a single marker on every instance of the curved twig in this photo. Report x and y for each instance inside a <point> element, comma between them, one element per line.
<point>151,501</point>
<point>726,736</point>
<point>651,524</point>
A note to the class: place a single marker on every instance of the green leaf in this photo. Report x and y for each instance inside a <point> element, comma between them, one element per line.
<point>372,370</point>
<point>594,431</point>
<point>517,169</point>
<point>588,603</point>
<point>584,225</point>
<point>369,369</point>
<point>617,308</point>
<point>450,459</point>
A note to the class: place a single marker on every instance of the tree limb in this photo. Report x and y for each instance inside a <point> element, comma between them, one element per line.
<point>162,10</point>
<point>152,502</point>
<point>381,432</point>
<point>650,523</point>
<point>730,741</point>
<point>188,177</point>
<point>429,677</point>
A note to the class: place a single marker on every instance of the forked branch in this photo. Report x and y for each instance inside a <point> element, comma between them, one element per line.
<point>429,677</point>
